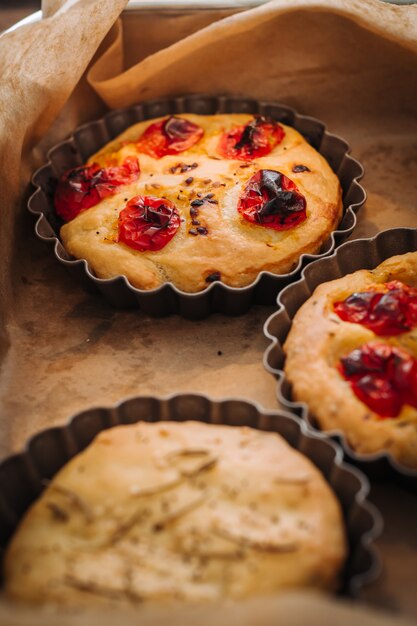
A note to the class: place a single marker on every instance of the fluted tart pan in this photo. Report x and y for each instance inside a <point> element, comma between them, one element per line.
<point>23,476</point>
<point>217,297</point>
<point>350,257</point>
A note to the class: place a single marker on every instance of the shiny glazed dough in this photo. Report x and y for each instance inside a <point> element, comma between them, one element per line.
<point>234,247</point>
<point>319,338</point>
<point>178,512</point>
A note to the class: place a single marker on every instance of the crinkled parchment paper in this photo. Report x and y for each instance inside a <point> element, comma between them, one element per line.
<point>289,609</point>
<point>349,62</point>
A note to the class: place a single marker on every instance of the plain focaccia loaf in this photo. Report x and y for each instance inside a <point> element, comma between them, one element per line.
<point>237,249</point>
<point>171,512</point>
<point>319,338</point>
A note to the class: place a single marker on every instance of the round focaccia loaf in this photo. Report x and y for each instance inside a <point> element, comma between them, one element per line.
<point>220,243</point>
<point>177,512</point>
<point>317,341</point>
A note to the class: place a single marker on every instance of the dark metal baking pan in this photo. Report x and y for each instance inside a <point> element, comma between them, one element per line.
<point>23,476</point>
<point>167,299</point>
<point>350,257</point>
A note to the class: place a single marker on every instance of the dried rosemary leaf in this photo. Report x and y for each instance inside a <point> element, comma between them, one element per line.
<point>254,544</point>
<point>76,500</point>
<point>175,515</point>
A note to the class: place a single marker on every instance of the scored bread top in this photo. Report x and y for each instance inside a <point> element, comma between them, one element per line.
<point>169,512</point>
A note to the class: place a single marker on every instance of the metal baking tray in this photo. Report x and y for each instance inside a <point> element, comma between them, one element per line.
<point>350,257</point>
<point>168,299</point>
<point>23,476</point>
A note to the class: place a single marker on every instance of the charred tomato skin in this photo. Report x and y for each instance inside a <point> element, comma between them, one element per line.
<point>83,187</point>
<point>148,223</point>
<point>388,311</point>
<point>251,141</point>
<point>271,199</point>
<point>171,135</point>
<point>382,376</point>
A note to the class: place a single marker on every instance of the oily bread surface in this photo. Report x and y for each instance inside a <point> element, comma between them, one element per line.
<point>234,247</point>
<point>171,512</point>
<point>319,338</point>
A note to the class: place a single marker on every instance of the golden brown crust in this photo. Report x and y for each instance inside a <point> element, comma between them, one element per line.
<point>177,512</point>
<point>317,340</point>
<point>235,248</point>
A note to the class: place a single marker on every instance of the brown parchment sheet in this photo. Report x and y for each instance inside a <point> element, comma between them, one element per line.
<point>351,63</point>
<point>289,609</point>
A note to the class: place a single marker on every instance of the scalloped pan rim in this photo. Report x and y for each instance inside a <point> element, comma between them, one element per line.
<point>196,305</point>
<point>344,260</point>
<point>361,518</point>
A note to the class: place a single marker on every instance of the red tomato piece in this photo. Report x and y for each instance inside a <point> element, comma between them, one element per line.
<point>148,223</point>
<point>169,136</point>
<point>271,199</point>
<point>382,376</point>
<point>83,187</point>
<point>251,141</point>
<point>390,310</point>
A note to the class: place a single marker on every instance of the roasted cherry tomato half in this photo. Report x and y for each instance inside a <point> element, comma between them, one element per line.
<point>389,309</point>
<point>252,141</point>
<point>148,223</point>
<point>83,187</point>
<point>272,200</point>
<point>169,136</point>
<point>382,376</point>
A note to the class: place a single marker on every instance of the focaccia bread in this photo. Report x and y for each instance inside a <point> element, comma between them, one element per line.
<point>177,512</point>
<point>193,199</point>
<point>351,355</point>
